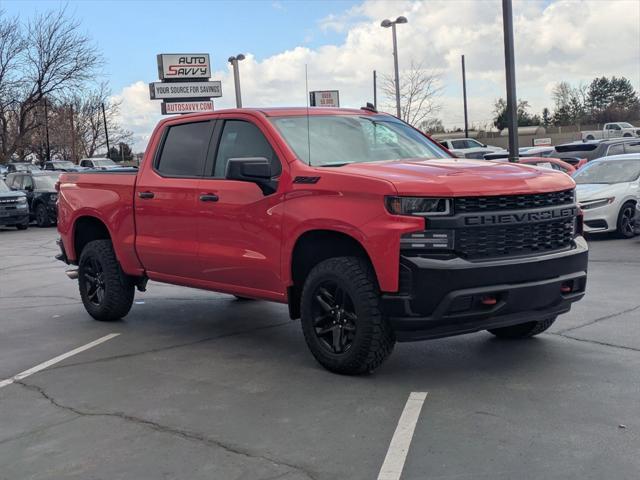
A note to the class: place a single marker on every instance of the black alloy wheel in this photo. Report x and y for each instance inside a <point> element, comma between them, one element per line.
<point>625,221</point>
<point>93,276</point>
<point>334,317</point>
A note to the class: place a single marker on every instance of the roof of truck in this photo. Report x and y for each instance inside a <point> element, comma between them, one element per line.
<point>292,111</point>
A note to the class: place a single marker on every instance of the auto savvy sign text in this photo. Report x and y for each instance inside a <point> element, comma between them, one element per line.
<point>182,66</point>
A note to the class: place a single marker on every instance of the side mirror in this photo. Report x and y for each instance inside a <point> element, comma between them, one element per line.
<point>252,169</point>
<point>29,188</point>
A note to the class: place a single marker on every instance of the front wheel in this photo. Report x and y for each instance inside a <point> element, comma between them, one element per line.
<point>625,227</point>
<point>42,216</point>
<point>523,330</point>
<point>106,291</point>
<point>22,226</point>
<point>341,317</point>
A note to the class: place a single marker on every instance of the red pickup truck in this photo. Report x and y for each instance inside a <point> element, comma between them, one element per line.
<point>370,231</point>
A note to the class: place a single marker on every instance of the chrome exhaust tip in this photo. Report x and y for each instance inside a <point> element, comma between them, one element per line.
<point>72,274</point>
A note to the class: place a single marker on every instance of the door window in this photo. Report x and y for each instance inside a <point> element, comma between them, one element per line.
<point>633,147</point>
<point>184,150</point>
<point>616,149</point>
<point>27,182</point>
<point>242,139</point>
<point>459,144</point>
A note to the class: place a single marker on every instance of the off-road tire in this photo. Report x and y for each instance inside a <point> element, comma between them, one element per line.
<point>523,330</point>
<point>42,216</point>
<point>624,224</point>
<point>119,288</point>
<point>374,339</point>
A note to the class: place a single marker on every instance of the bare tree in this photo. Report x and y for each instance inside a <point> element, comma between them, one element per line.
<point>45,59</point>
<point>419,90</point>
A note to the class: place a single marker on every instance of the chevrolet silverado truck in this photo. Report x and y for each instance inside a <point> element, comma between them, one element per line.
<point>367,229</point>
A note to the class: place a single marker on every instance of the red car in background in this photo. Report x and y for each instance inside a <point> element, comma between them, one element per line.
<point>552,163</point>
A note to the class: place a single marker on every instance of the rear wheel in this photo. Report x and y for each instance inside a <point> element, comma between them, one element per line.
<point>106,291</point>
<point>590,137</point>
<point>523,330</point>
<point>341,318</point>
<point>22,226</point>
<point>625,228</point>
<point>42,216</point>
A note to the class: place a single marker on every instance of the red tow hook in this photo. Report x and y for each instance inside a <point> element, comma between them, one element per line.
<point>566,288</point>
<point>488,300</point>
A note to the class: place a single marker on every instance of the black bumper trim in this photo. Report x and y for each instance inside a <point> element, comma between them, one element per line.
<point>441,298</point>
<point>62,256</point>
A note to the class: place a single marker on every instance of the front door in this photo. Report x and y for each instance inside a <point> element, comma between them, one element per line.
<point>240,226</point>
<point>166,202</point>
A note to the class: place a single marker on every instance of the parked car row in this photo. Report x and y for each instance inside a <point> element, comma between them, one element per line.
<point>34,190</point>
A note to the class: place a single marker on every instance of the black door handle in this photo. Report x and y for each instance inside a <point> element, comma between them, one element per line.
<point>146,194</point>
<point>209,197</point>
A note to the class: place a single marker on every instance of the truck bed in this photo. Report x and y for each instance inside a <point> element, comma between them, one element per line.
<point>108,196</point>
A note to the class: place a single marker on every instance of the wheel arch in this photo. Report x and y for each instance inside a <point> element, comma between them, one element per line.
<point>87,229</point>
<point>312,247</point>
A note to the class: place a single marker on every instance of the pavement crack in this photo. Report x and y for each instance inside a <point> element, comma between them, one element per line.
<point>606,317</point>
<point>594,342</point>
<point>186,434</point>
<point>171,347</point>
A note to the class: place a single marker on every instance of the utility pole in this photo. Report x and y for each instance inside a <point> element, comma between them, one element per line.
<point>386,24</point>
<point>74,157</point>
<point>236,77</point>
<point>106,132</point>
<point>464,95</point>
<point>509,62</point>
<point>375,91</point>
<point>46,129</point>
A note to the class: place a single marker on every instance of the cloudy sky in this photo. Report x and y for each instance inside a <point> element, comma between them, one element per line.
<point>342,43</point>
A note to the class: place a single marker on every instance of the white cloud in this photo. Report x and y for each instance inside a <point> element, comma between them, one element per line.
<point>564,40</point>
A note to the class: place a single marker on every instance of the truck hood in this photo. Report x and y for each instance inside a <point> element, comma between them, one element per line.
<point>11,194</point>
<point>457,177</point>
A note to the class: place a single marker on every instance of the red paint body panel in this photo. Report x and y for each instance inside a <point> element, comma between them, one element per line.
<point>243,243</point>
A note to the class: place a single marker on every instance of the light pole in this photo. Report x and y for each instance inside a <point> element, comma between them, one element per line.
<point>236,77</point>
<point>509,62</point>
<point>386,24</point>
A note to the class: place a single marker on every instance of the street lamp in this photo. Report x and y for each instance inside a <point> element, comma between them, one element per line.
<point>236,77</point>
<point>386,24</point>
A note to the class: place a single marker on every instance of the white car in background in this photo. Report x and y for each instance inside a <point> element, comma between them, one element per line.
<point>468,147</point>
<point>608,190</point>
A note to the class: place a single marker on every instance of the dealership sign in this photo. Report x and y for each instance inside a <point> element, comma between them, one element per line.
<point>171,108</point>
<point>542,142</point>
<point>184,66</point>
<point>161,90</point>
<point>326,98</point>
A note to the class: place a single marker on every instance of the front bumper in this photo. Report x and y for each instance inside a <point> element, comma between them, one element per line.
<point>16,217</point>
<point>602,219</point>
<point>440,298</point>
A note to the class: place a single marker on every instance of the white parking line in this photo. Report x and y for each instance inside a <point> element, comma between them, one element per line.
<point>399,447</point>
<point>57,359</point>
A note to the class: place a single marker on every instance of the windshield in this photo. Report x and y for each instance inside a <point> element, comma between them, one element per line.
<point>63,164</point>
<point>107,162</point>
<point>613,171</point>
<point>3,187</point>
<point>45,182</point>
<point>334,140</point>
<point>625,125</point>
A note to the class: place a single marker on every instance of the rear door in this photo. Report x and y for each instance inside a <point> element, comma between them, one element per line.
<point>240,226</point>
<point>166,201</point>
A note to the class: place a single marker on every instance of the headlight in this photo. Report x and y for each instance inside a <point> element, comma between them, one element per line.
<point>420,206</point>
<point>22,202</point>
<point>600,202</point>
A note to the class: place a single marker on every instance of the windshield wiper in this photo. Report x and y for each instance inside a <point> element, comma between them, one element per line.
<point>335,164</point>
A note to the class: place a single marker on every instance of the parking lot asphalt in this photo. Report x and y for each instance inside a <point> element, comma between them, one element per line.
<point>198,385</point>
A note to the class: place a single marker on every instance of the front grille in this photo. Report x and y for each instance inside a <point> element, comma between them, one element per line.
<point>512,202</point>
<point>514,240</point>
